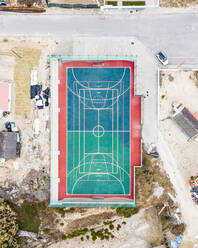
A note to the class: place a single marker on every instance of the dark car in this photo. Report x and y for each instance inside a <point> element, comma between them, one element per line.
<point>162,58</point>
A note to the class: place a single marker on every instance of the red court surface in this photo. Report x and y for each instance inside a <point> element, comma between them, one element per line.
<point>135,126</point>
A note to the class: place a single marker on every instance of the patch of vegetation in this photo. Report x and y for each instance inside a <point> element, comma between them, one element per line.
<point>8,226</point>
<point>46,231</point>
<point>144,161</point>
<point>118,227</point>
<point>63,211</point>
<point>113,3</point>
<point>77,233</point>
<point>162,96</point>
<point>111,226</point>
<point>82,239</point>
<point>64,237</point>
<point>62,224</point>
<point>126,212</point>
<point>165,219</point>
<point>106,223</point>
<point>196,74</point>
<point>170,77</point>
<point>133,3</point>
<point>27,215</point>
<point>124,222</point>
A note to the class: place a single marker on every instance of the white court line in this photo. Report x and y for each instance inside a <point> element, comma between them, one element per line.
<point>91,131</point>
<point>117,82</point>
<point>98,131</point>
<point>117,97</point>
<point>106,165</point>
<point>84,130</point>
<point>112,126</point>
<point>117,129</point>
<point>96,180</point>
<point>98,153</point>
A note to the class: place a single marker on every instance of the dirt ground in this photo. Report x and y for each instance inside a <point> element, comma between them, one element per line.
<point>136,232</point>
<point>35,152</point>
<point>179,156</point>
<point>178,3</point>
<point>148,178</point>
<point>27,55</point>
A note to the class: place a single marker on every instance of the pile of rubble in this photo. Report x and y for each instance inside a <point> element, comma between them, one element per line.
<point>194,188</point>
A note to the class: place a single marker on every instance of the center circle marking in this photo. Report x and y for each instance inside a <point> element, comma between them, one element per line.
<point>98,131</point>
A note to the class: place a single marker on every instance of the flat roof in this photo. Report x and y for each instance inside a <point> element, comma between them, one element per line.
<point>187,123</point>
<point>4,96</point>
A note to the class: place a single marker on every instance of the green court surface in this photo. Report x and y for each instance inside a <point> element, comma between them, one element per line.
<point>98,131</point>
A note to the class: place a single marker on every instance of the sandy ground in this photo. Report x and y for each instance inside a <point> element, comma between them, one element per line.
<point>179,156</point>
<point>35,152</point>
<point>136,233</point>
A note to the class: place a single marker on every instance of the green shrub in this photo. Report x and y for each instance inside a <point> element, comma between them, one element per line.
<point>46,231</point>
<point>133,3</point>
<point>126,212</point>
<point>163,96</point>
<point>63,237</point>
<point>106,223</point>
<point>118,227</point>
<point>8,226</point>
<point>113,3</point>
<point>111,226</point>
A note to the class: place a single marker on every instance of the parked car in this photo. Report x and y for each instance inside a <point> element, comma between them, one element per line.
<point>162,58</point>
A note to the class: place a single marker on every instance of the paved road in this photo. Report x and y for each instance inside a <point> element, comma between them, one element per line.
<point>175,34</point>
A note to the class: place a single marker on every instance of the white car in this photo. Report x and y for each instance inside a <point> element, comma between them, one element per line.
<point>162,58</point>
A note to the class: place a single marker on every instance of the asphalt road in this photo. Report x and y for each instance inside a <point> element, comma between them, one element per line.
<point>175,34</point>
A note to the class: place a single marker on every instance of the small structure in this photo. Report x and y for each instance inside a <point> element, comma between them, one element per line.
<point>185,121</point>
<point>5,96</point>
<point>8,145</point>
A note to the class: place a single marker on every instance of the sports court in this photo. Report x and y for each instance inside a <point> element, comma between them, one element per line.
<point>99,130</point>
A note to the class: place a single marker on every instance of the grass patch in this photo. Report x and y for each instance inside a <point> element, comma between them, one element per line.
<point>126,212</point>
<point>113,3</point>
<point>131,3</point>
<point>27,215</point>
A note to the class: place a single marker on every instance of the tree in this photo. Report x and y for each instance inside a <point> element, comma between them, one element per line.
<point>8,226</point>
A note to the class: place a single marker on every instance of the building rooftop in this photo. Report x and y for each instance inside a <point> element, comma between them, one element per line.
<point>8,145</point>
<point>186,121</point>
<point>4,96</point>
